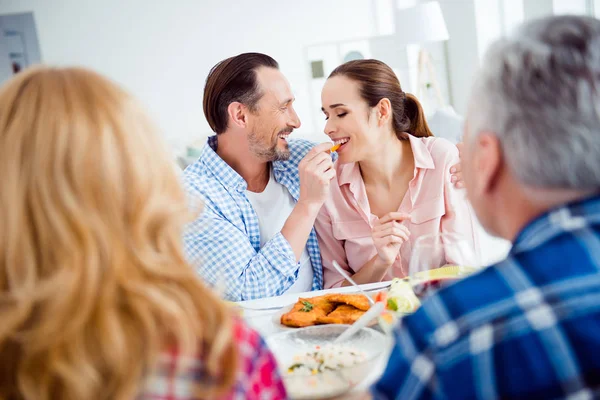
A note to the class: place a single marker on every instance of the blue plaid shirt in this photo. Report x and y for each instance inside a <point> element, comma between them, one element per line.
<point>224,242</point>
<point>528,327</point>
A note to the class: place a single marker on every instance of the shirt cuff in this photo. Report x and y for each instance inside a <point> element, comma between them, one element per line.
<point>278,250</point>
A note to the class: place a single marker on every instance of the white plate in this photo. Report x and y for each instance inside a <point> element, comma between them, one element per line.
<point>277,318</point>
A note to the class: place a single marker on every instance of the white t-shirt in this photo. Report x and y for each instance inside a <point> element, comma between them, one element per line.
<point>273,207</point>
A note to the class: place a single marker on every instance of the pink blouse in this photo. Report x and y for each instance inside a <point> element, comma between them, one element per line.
<point>345,222</point>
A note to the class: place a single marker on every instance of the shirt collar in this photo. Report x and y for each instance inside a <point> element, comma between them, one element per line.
<point>568,218</point>
<point>350,173</point>
<point>219,168</point>
<point>227,175</point>
<point>421,153</point>
<point>280,165</point>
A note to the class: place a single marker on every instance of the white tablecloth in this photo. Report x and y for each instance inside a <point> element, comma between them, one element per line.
<point>259,314</point>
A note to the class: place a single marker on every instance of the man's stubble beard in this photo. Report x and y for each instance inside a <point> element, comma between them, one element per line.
<point>270,153</point>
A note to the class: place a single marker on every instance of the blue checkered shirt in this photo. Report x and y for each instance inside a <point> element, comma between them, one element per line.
<point>528,327</point>
<point>223,243</point>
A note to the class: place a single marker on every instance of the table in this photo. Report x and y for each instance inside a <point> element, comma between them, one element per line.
<point>259,314</point>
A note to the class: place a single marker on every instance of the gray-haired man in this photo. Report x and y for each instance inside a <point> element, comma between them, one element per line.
<point>528,327</point>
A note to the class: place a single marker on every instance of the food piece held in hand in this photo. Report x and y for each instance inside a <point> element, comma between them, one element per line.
<point>335,147</point>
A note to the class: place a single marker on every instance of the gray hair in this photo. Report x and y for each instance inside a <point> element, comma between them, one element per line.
<point>539,92</point>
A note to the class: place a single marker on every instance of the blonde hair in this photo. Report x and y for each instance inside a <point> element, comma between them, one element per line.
<point>93,280</point>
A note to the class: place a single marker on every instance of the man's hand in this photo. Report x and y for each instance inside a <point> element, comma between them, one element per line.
<point>389,234</point>
<point>316,171</point>
<point>456,171</point>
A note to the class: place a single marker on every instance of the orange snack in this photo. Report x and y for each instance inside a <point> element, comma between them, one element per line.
<point>335,147</point>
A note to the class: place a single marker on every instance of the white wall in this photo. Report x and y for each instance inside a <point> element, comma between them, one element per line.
<point>162,51</point>
<point>537,8</point>
<point>489,24</point>
<point>462,48</point>
<point>573,7</point>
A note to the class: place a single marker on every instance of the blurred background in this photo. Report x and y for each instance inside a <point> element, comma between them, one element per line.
<point>162,51</point>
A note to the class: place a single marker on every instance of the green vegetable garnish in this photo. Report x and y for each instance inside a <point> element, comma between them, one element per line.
<point>391,304</point>
<point>293,367</point>
<point>307,306</point>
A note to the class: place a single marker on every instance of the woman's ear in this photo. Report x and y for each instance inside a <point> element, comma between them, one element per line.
<point>384,111</point>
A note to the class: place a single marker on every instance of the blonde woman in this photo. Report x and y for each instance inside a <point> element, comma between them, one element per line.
<point>96,299</point>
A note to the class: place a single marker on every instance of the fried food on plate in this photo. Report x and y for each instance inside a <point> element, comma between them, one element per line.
<point>334,308</point>
<point>307,311</point>
<point>359,301</point>
<point>343,314</point>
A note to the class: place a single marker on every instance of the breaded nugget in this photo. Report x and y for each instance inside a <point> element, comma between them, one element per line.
<point>306,311</point>
<point>343,314</point>
<point>359,301</point>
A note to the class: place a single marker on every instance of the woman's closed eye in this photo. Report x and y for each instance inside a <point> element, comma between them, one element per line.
<point>341,115</point>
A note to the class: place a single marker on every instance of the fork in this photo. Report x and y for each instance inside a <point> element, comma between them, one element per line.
<point>347,277</point>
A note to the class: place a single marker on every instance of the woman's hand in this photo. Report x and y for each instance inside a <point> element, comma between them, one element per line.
<point>389,234</point>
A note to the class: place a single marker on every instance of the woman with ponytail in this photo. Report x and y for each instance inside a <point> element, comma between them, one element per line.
<point>393,180</point>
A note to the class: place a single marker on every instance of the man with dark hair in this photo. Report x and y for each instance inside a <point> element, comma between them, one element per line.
<point>261,193</point>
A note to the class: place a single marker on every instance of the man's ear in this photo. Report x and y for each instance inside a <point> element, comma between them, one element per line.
<point>488,161</point>
<point>238,114</point>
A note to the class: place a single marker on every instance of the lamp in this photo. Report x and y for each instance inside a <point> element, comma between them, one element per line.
<point>421,24</point>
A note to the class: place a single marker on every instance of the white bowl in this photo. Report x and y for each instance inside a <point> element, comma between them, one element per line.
<point>329,383</point>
